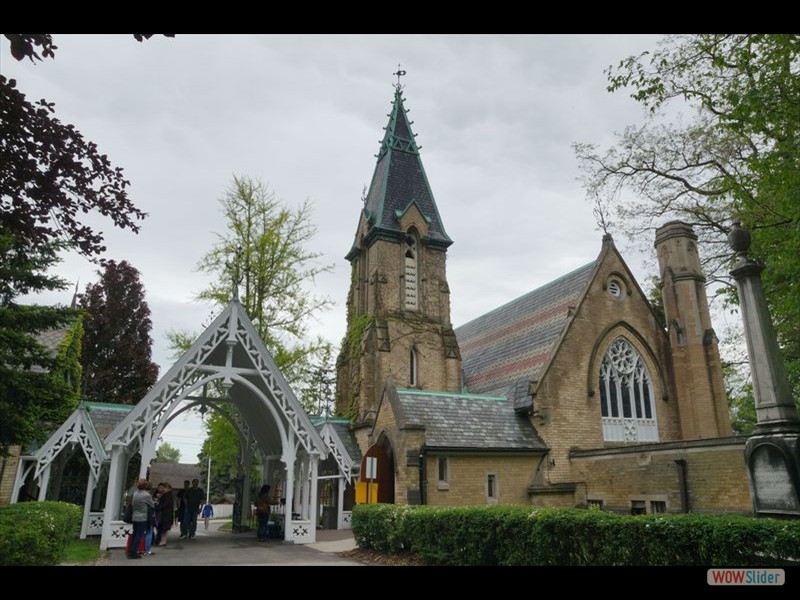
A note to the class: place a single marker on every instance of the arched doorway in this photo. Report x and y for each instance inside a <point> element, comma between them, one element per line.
<point>382,451</point>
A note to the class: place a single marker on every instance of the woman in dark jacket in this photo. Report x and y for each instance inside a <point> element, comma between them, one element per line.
<point>166,512</point>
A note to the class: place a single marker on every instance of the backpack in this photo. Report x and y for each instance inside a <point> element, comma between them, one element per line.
<point>127,515</point>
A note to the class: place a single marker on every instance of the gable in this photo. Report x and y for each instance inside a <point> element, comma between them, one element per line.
<point>509,346</point>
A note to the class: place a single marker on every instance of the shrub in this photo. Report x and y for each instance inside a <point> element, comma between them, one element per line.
<point>524,535</point>
<point>36,533</point>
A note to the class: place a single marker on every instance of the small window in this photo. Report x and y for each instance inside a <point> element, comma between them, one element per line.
<point>412,367</point>
<point>442,469</point>
<point>491,487</point>
<point>593,504</point>
<point>658,507</point>
<point>638,507</point>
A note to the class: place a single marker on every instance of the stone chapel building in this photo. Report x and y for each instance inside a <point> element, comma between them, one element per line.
<point>571,395</point>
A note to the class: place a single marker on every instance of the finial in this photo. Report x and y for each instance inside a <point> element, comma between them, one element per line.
<point>400,72</point>
<point>739,240</point>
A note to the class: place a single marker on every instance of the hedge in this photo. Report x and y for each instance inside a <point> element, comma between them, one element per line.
<point>522,535</point>
<point>36,533</point>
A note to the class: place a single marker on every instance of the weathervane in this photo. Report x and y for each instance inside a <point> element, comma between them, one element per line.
<point>400,72</point>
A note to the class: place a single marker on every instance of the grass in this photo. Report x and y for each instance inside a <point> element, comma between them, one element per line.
<point>82,551</point>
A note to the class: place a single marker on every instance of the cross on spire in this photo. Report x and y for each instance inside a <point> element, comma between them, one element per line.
<point>399,73</point>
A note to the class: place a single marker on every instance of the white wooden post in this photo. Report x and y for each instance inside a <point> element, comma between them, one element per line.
<point>115,475</point>
<point>340,484</point>
<point>44,481</point>
<point>87,505</point>
<point>148,450</point>
<point>313,504</point>
<point>298,488</point>
<point>289,460</point>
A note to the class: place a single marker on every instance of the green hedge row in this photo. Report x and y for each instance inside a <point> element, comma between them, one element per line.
<point>522,535</point>
<point>36,533</point>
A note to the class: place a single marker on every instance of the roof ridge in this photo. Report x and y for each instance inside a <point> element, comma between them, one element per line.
<point>106,405</point>
<point>466,396</point>
<point>530,293</point>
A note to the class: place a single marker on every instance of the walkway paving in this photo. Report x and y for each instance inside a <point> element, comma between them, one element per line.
<point>217,548</point>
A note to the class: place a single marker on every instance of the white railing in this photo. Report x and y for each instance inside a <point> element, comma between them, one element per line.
<point>302,532</point>
<point>95,525</point>
<point>119,534</point>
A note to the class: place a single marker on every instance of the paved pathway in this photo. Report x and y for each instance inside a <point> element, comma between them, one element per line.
<point>216,548</point>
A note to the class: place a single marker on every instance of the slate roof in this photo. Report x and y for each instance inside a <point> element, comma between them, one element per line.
<point>399,179</point>
<point>506,348</point>
<point>104,416</point>
<point>51,338</point>
<point>467,421</point>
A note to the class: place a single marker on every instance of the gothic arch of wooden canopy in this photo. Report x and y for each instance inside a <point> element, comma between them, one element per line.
<point>229,355</point>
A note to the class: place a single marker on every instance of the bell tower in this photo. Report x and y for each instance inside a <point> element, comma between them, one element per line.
<point>398,306</point>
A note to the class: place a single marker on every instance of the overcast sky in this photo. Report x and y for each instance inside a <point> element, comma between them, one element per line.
<point>495,116</point>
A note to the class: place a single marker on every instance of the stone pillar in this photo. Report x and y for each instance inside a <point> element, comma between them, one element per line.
<point>772,453</point>
<point>696,366</point>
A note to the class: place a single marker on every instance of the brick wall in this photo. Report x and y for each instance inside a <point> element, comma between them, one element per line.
<point>467,476</point>
<point>567,404</point>
<point>9,466</point>
<point>716,476</point>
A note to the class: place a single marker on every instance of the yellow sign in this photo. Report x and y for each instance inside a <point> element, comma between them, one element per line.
<point>361,492</point>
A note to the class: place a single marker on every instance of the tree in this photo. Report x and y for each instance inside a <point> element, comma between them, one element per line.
<point>265,251</point>
<point>736,158</point>
<point>117,365</point>
<point>167,453</point>
<point>222,445</point>
<point>50,177</point>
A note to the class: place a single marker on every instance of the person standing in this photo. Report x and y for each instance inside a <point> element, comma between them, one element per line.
<point>166,513</point>
<point>182,512</point>
<point>194,500</point>
<point>262,513</point>
<point>142,503</point>
<point>208,512</point>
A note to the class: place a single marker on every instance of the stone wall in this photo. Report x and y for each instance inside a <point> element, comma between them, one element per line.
<point>716,477</point>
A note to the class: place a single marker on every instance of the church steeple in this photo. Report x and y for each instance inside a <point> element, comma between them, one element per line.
<point>398,307</point>
<point>399,182</point>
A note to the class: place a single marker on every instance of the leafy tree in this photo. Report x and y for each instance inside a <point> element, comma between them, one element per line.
<point>265,251</point>
<point>117,365</point>
<point>222,445</point>
<point>167,453</point>
<point>50,177</point>
<point>316,388</point>
<point>736,158</point>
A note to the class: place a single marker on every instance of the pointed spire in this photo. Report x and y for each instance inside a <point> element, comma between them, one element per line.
<point>399,180</point>
<point>74,303</point>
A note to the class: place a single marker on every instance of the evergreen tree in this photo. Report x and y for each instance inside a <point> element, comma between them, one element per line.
<point>117,365</point>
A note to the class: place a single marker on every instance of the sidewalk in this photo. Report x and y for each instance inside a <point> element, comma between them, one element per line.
<point>214,548</point>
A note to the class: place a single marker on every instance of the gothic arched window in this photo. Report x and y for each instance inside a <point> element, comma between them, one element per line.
<point>411,292</point>
<point>626,396</point>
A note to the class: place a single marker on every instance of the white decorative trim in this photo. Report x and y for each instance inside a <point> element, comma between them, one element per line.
<point>302,532</point>
<point>95,526</point>
<point>347,519</point>
<point>119,534</point>
<point>332,440</point>
<point>78,428</point>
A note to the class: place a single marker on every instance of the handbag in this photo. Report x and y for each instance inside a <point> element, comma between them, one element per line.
<point>127,515</point>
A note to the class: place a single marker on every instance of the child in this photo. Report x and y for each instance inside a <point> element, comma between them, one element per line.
<point>208,512</point>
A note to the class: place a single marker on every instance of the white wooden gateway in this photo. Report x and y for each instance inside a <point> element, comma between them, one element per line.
<point>230,358</point>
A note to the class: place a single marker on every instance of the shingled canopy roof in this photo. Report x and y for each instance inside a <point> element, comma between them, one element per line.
<point>465,421</point>
<point>506,348</point>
